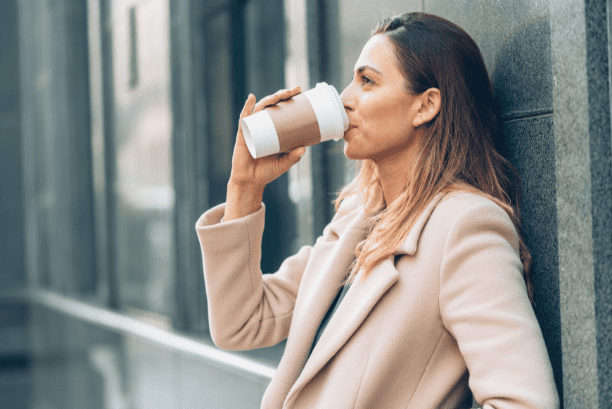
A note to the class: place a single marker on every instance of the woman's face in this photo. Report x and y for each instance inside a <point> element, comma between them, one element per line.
<point>380,110</point>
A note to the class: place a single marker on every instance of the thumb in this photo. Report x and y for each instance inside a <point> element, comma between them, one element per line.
<point>291,158</point>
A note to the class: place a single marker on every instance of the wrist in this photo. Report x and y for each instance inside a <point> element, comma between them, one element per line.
<point>242,200</point>
<point>244,185</point>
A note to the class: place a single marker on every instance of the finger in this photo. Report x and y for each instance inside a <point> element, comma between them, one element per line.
<point>295,90</point>
<point>266,102</point>
<point>290,158</point>
<point>248,106</point>
<point>288,93</point>
<point>283,93</point>
<point>275,98</point>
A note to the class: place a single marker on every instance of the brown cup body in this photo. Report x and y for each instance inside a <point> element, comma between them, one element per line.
<point>295,123</point>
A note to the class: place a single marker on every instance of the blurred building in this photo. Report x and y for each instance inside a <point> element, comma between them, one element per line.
<point>118,120</point>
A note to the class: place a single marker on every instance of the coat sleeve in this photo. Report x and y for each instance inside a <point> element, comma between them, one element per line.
<point>485,306</point>
<point>246,308</point>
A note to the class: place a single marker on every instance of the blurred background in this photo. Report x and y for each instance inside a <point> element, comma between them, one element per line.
<point>117,123</point>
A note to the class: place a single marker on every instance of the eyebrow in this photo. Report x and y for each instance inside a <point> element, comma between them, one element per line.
<point>367,67</point>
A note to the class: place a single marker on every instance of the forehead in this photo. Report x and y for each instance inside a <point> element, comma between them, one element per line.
<point>378,53</point>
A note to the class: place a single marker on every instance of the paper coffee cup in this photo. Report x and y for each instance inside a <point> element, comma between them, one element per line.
<point>308,118</point>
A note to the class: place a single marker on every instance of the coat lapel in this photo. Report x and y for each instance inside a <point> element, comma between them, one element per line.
<point>362,296</point>
<point>357,304</point>
<point>317,297</point>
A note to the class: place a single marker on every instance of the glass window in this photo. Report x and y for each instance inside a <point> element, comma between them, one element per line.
<point>58,159</point>
<point>219,102</point>
<point>143,187</point>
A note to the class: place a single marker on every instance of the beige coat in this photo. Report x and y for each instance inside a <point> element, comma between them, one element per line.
<point>448,311</point>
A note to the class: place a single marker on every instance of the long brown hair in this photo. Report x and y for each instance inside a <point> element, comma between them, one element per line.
<point>459,149</point>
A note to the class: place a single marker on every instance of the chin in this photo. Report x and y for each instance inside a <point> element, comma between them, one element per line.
<point>350,153</point>
<point>353,152</point>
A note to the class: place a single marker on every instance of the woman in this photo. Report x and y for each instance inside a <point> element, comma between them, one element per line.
<point>417,291</point>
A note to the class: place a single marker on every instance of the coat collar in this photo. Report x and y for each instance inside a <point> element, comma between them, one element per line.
<point>361,221</point>
<point>360,298</point>
<point>409,246</point>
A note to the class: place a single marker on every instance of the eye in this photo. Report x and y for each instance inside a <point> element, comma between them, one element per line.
<point>366,80</point>
<point>363,79</point>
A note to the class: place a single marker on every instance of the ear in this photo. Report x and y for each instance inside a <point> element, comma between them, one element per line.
<point>430,102</point>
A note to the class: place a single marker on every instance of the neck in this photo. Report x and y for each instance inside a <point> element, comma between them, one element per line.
<point>393,179</point>
<point>394,171</point>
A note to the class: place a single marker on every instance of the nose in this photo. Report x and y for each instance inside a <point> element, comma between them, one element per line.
<point>347,99</point>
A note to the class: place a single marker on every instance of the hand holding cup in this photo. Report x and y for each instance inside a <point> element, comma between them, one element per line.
<point>247,170</point>
<point>249,176</point>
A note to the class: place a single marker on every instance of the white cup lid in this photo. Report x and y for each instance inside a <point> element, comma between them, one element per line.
<point>330,112</point>
<point>345,120</point>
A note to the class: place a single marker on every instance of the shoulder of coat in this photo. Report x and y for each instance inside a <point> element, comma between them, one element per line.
<point>454,203</point>
<point>443,210</point>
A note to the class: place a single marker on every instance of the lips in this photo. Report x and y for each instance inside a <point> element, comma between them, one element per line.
<point>349,129</point>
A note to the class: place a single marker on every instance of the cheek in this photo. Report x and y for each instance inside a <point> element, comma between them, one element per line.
<point>390,118</point>
<point>388,109</point>
<point>398,110</point>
